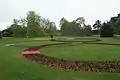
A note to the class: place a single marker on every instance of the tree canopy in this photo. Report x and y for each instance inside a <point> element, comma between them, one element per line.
<point>31,26</point>
<point>75,28</point>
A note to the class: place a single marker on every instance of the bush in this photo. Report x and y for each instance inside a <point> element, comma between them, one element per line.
<point>106,30</point>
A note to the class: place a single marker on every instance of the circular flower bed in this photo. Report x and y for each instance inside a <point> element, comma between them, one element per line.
<point>89,66</point>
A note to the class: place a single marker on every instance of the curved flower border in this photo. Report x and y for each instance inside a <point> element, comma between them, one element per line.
<point>87,66</point>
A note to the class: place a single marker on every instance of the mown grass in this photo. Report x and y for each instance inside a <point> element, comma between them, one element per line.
<point>84,52</point>
<point>13,66</point>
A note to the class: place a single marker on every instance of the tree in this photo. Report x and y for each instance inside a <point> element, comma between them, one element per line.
<point>107,30</point>
<point>81,21</point>
<point>49,27</point>
<point>45,23</point>
<point>64,26</point>
<point>52,28</point>
<point>75,28</point>
<point>15,21</point>
<point>88,30</point>
<point>97,25</point>
<point>34,28</point>
<point>17,30</point>
<point>70,29</point>
<point>23,22</point>
<point>7,32</point>
<point>1,35</point>
<point>62,21</point>
<point>31,26</point>
<point>115,22</point>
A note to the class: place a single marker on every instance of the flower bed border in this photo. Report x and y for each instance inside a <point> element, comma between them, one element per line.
<point>87,66</point>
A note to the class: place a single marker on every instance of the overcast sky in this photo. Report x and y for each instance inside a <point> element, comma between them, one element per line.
<point>54,10</point>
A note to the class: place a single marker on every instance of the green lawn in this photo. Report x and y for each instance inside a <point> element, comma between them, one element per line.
<point>13,66</point>
<point>84,52</point>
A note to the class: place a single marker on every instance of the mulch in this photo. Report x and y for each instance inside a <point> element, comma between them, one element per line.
<point>86,66</point>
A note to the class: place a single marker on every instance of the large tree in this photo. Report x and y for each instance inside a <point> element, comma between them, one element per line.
<point>64,26</point>
<point>75,28</point>
<point>16,29</point>
<point>34,28</point>
<point>45,23</point>
<point>115,22</point>
<point>48,26</point>
<point>52,29</point>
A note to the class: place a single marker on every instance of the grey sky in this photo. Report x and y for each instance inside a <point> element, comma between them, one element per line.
<point>54,10</point>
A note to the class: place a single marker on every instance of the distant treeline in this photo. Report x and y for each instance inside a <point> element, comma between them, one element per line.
<point>35,26</point>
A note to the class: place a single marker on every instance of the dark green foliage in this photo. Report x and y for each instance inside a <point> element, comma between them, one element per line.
<point>88,30</point>
<point>65,28</point>
<point>75,28</point>
<point>33,25</point>
<point>7,32</point>
<point>115,22</point>
<point>18,31</point>
<point>97,26</point>
<point>107,30</point>
<point>95,32</point>
<point>1,35</point>
<point>70,29</point>
<point>49,27</point>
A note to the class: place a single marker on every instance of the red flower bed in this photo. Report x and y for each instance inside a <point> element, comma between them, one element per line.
<point>31,51</point>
